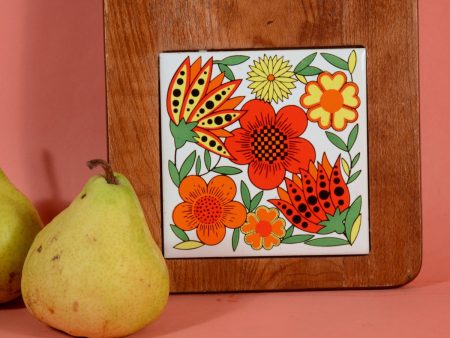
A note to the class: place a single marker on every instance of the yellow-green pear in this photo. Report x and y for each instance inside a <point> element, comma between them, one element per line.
<point>19,224</point>
<point>95,270</point>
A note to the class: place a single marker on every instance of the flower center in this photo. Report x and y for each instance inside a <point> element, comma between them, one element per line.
<point>207,209</point>
<point>269,144</point>
<point>331,100</point>
<point>264,228</point>
<point>270,77</point>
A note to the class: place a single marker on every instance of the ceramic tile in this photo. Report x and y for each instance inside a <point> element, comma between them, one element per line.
<point>264,153</point>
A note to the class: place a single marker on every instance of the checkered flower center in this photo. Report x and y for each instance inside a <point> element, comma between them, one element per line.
<point>269,144</point>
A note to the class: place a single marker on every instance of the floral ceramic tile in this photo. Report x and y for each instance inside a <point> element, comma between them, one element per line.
<point>264,153</point>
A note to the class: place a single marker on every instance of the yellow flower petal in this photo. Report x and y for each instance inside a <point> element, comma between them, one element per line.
<point>264,64</point>
<point>257,78</point>
<point>277,90</point>
<point>350,95</point>
<point>352,62</point>
<point>321,116</point>
<point>257,69</point>
<point>277,65</point>
<point>270,92</point>
<point>335,81</point>
<point>285,79</point>
<point>355,229</point>
<point>312,96</point>
<point>270,65</point>
<point>283,69</point>
<point>342,117</point>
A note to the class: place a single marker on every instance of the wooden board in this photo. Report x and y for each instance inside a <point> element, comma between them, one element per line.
<point>136,31</point>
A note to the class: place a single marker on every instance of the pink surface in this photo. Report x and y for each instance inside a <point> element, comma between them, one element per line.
<point>52,113</point>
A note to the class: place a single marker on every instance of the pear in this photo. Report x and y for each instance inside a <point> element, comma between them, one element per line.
<point>19,224</point>
<point>95,270</point>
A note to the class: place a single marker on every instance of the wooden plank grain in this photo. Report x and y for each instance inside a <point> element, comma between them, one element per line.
<point>137,31</point>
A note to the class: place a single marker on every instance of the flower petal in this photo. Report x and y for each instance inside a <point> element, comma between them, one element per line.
<point>270,241</point>
<point>191,188</point>
<point>332,81</point>
<point>223,188</point>
<point>254,239</point>
<point>239,146</point>
<point>234,214</point>
<point>278,228</point>
<point>259,113</point>
<point>250,225</point>
<point>211,234</point>
<point>350,94</point>
<point>267,214</point>
<point>292,121</point>
<point>183,216</point>
<point>266,176</point>
<point>342,117</point>
<point>320,115</point>
<point>312,96</point>
<point>301,153</point>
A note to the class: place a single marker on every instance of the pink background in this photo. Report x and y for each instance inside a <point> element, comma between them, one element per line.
<point>53,119</point>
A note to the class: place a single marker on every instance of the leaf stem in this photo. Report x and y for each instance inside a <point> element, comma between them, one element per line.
<point>350,166</point>
<point>212,168</point>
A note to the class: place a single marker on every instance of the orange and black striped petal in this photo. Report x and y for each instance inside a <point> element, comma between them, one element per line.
<point>294,216</point>
<point>213,100</point>
<point>338,188</point>
<point>221,119</point>
<point>177,91</point>
<point>211,142</point>
<point>197,90</point>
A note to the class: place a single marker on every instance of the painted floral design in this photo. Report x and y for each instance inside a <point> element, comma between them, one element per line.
<point>263,228</point>
<point>316,202</point>
<point>271,78</point>
<point>200,107</point>
<point>270,144</point>
<point>331,101</point>
<point>208,208</point>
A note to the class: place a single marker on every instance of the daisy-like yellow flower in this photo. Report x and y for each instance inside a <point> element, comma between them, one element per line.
<point>271,78</point>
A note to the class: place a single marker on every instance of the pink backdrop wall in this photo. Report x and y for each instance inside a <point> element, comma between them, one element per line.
<point>52,119</point>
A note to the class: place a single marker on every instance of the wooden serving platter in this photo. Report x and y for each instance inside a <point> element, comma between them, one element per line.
<point>136,32</point>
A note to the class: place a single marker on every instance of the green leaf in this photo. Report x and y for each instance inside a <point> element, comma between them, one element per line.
<point>228,73</point>
<point>336,140</point>
<point>225,170</point>
<point>188,245</point>
<point>352,215</point>
<point>335,61</point>
<point>179,233</point>
<point>355,159</point>
<point>198,166</point>
<point>304,63</point>
<point>256,200</point>
<point>352,137</point>
<point>354,177</point>
<point>327,241</point>
<point>233,60</point>
<point>334,223</point>
<point>310,70</point>
<point>187,165</point>
<point>235,238</point>
<point>174,175</point>
<point>289,232</point>
<point>207,158</point>
<point>183,133</point>
<point>245,194</point>
<point>296,239</point>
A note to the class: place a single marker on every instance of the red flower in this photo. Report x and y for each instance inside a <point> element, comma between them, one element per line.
<point>270,144</point>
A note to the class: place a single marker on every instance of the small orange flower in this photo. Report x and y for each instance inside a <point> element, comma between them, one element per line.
<point>331,101</point>
<point>209,208</point>
<point>263,228</point>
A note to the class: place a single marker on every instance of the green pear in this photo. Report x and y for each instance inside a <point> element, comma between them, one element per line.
<point>95,270</point>
<point>19,224</point>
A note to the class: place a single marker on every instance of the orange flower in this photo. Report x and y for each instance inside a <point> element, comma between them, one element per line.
<point>209,208</point>
<point>263,228</point>
<point>331,101</point>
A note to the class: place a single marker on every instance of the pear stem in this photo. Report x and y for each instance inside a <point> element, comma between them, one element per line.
<point>109,175</point>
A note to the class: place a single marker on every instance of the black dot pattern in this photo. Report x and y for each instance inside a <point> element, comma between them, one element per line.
<point>295,218</point>
<point>211,144</point>
<point>269,144</point>
<point>323,187</point>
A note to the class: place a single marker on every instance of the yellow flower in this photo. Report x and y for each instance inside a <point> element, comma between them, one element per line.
<point>331,101</point>
<point>271,78</point>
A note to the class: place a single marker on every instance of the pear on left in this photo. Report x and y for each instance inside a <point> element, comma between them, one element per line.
<point>19,224</point>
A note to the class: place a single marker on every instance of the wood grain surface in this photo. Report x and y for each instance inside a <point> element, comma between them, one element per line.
<point>137,30</point>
